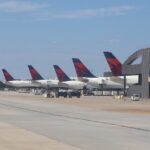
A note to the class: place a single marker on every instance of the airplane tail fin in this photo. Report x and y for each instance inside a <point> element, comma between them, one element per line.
<point>81,69</point>
<point>34,73</point>
<point>114,64</point>
<point>7,75</point>
<point>60,74</point>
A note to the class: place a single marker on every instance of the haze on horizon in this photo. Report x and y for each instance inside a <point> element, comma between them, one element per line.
<point>43,33</point>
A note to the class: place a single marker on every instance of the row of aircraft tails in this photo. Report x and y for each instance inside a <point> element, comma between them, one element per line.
<point>85,79</point>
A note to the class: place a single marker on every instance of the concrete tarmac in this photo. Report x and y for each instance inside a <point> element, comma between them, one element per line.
<point>27,123</point>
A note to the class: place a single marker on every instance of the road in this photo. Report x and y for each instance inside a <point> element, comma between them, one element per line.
<point>70,126</point>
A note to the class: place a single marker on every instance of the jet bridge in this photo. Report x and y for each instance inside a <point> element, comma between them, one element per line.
<point>141,68</point>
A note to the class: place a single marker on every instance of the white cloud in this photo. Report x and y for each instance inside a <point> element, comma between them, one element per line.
<point>20,6</point>
<point>87,13</point>
<point>97,12</point>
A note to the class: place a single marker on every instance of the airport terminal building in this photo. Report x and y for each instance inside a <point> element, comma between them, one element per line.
<point>142,69</point>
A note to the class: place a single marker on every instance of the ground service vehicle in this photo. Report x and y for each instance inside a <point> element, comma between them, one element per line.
<point>135,97</point>
<point>68,93</point>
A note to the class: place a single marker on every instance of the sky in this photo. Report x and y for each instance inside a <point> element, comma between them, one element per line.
<point>47,32</point>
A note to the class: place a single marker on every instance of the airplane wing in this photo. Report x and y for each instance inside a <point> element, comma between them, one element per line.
<point>34,81</point>
<point>83,79</point>
<point>117,79</point>
<point>62,85</point>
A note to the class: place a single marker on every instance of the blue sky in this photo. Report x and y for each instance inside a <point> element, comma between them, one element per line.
<point>43,33</point>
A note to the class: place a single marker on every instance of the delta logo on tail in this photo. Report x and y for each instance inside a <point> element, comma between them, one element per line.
<point>7,75</point>
<point>81,69</point>
<point>60,74</point>
<point>114,64</point>
<point>34,73</point>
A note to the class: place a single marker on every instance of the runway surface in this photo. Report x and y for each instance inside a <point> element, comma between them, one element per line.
<point>73,127</point>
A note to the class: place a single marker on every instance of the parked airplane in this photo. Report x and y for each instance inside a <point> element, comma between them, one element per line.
<point>66,82</point>
<point>38,79</point>
<point>85,75</point>
<point>116,69</point>
<point>10,81</point>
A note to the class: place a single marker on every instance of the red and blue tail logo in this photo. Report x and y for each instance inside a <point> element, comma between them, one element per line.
<point>81,69</point>
<point>60,74</point>
<point>35,75</point>
<point>114,64</point>
<point>7,75</point>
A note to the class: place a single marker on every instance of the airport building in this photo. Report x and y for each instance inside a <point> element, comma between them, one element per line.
<point>141,68</point>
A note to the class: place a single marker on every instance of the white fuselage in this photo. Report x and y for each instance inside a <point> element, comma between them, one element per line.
<point>46,83</point>
<point>75,84</point>
<point>103,83</point>
<point>108,83</point>
<point>134,79</point>
<point>130,80</point>
<point>21,83</point>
